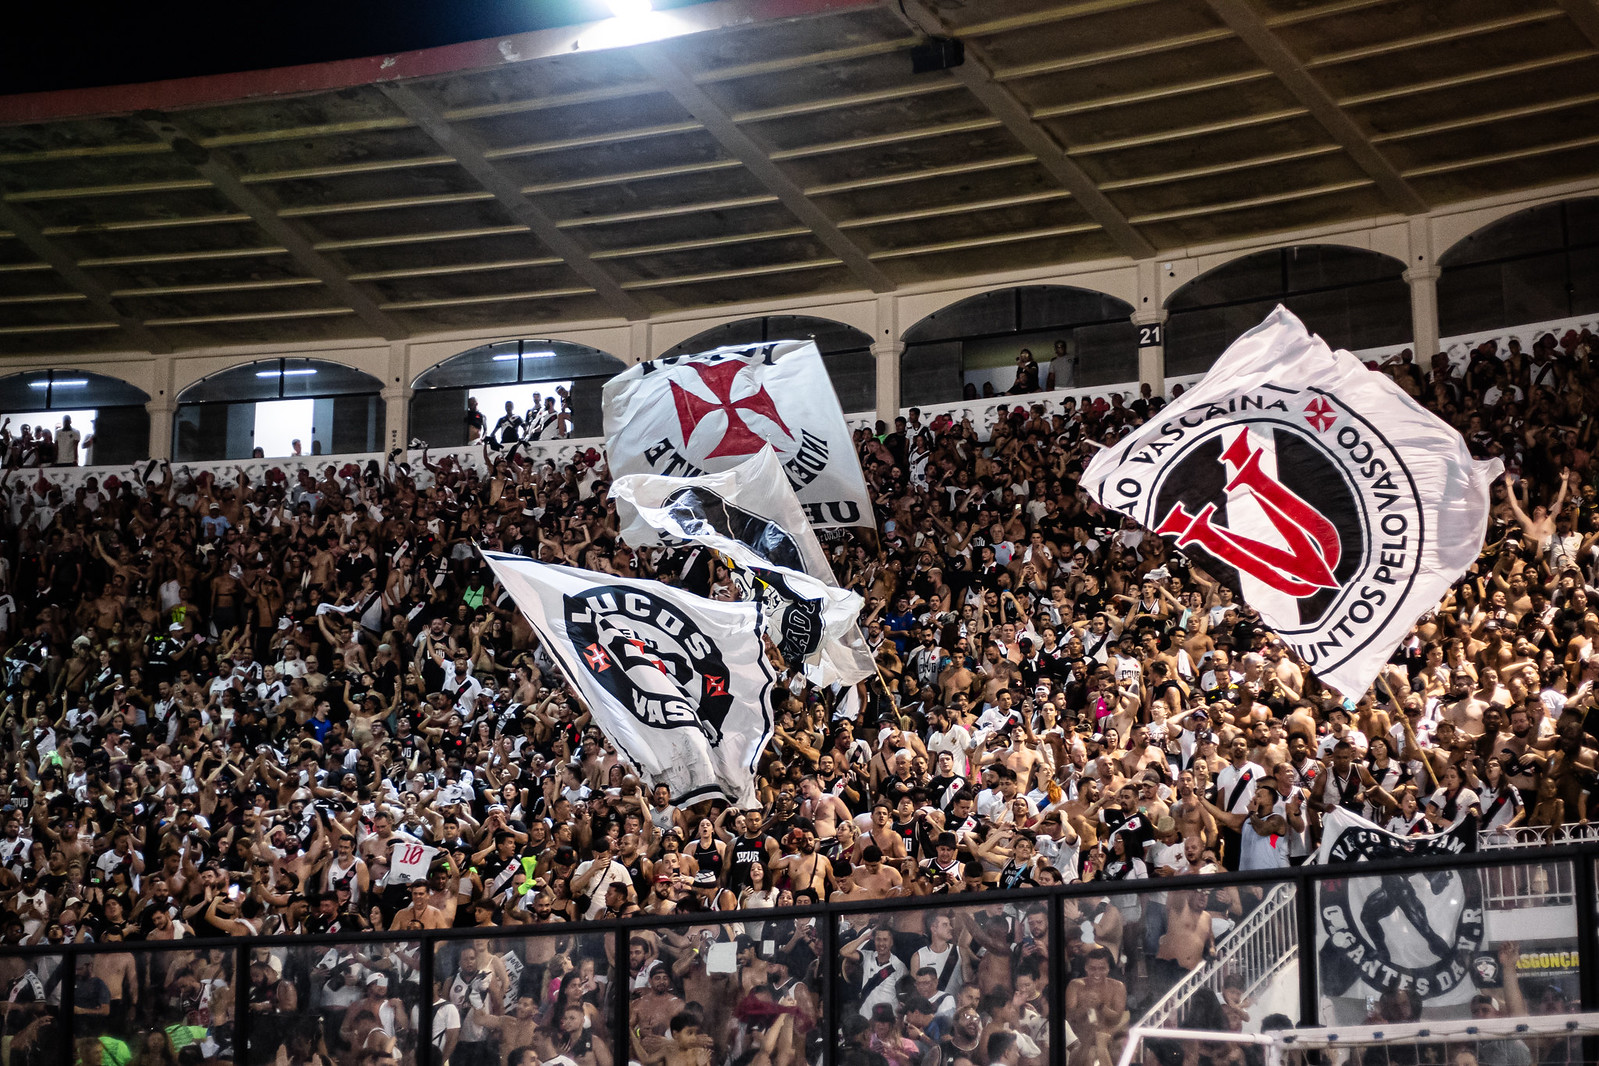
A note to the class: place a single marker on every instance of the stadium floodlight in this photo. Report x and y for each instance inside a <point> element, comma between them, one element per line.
<point>630,8</point>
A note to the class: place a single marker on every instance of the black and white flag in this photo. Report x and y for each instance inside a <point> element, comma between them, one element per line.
<point>1417,931</point>
<point>1331,502</point>
<point>685,415</point>
<point>751,517</point>
<point>678,683</point>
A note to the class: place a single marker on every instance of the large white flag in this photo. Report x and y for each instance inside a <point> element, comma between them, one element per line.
<point>680,684</point>
<point>1330,501</point>
<point>750,515</point>
<point>685,415</point>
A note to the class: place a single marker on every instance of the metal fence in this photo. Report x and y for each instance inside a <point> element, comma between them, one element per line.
<point>807,983</point>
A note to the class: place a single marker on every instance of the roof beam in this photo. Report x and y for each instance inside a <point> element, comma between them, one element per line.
<point>469,154</point>
<point>1585,13</point>
<point>1241,17</point>
<point>726,132</point>
<point>299,247</point>
<point>978,77</point>
<point>23,229</point>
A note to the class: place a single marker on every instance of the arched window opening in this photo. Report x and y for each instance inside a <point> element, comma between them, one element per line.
<point>1352,297</point>
<point>279,407</point>
<point>553,388</point>
<point>972,348</point>
<point>1533,266</point>
<point>846,351</point>
<point>80,417</point>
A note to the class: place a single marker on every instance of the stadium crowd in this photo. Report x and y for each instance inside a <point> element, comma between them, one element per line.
<point>300,704</point>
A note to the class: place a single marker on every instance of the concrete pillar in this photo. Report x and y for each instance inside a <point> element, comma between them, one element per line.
<point>160,412</point>
<point>886,353</point>
<point>163,402</point>
<point>397,398</point>
<point>1151,327</point>
<point>1423,281</point>
<point>396,416</point>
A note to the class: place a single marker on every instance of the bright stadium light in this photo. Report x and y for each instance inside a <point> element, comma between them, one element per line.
<point>630,8</point>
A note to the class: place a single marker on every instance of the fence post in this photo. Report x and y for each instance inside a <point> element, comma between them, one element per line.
<point>241,1003</point>
<point>1057,980</point>
<point>833,981</point>
<point>1587,965</point>
<point>621,995</point>
<point>1305,912</point>
<point>66,1054</point>
<point>425,1048</point>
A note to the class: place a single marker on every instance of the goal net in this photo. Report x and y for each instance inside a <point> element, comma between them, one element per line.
<point>1539,1040</point>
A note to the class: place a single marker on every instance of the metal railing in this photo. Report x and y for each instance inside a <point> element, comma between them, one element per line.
<point>1537,836</point>
<point>242,973</point>
<point>1254,952</point>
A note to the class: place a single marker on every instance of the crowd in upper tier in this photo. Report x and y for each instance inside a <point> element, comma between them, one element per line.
<point>203,737</point>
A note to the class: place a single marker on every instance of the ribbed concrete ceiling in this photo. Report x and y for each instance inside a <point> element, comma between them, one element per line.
<point>763,158</point>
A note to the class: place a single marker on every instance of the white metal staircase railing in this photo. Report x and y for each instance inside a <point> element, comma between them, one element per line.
<point>1255,950</point>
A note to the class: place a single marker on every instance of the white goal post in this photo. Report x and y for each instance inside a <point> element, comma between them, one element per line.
<point>1452,1042</point>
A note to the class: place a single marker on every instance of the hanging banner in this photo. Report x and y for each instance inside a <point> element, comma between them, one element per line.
<point>1420,932</point>
<point>686,415</point>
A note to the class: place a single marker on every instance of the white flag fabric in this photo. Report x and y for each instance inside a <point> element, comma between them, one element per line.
<point>1421,931</point>
<point>1332,503</point>
<point>680,684</point>
<point>751,516</point>
<point>686,415</point>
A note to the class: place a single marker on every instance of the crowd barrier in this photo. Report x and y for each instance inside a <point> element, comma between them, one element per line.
<point>1317,944</point>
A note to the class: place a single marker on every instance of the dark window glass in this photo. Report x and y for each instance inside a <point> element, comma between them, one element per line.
<point>57,390</point>
<point>1351,297</point>
<point>1078,337</point>
<point>272,379</point>
<point>1534,265</point>
<point>510,362</point>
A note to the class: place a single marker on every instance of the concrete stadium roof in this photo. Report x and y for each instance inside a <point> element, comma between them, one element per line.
<point>758,150</point>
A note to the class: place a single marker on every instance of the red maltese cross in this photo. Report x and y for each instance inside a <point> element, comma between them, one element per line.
<point>738,439</point>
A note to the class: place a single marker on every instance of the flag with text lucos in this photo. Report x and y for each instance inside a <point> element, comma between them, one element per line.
<point>1331,502</point>
<point>679,684</point>
<point>685,415</point>
<point>750,516</point>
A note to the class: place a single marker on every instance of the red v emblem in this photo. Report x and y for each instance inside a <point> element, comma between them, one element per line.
<point>1313,550</point>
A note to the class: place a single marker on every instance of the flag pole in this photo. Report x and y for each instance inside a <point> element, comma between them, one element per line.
<point>1382,675</point>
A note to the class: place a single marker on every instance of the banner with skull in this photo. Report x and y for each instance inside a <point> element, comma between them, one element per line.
<point>679,684</point>
<point>1421,932</point>
<point>686,415</point>
<point>751,517</point>
<point>1331,502</point>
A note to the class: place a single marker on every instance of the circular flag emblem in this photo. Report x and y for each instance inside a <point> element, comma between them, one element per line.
<point>1293,499</point>
<point>1420,931</point>
<point>650,657</point>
